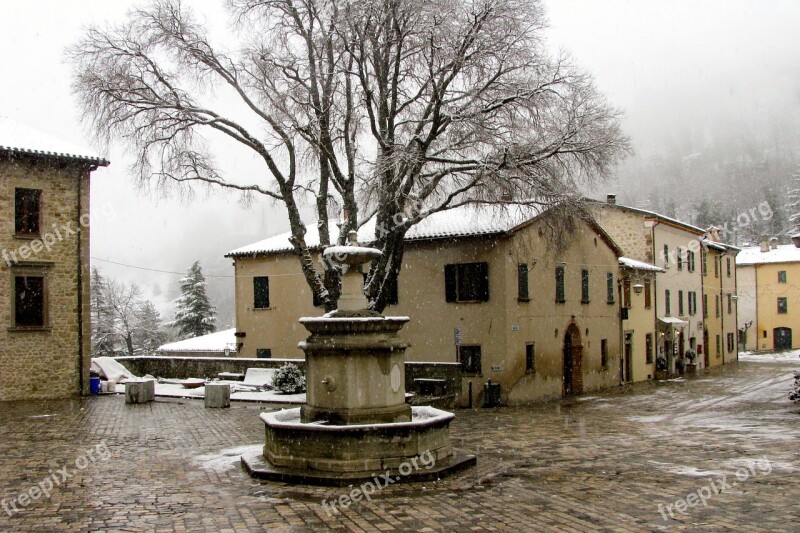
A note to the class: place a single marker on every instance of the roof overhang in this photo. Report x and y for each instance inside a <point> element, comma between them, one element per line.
<point>671,321</point>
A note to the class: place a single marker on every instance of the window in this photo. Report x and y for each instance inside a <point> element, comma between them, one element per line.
<point>648,347</point>
<point>704,265</point>
<point>610,288</point>
<point>783,305</point>
<point>522,283</point>
<point>716,305</point>
<point>731,342</point>
<point>719,349</point>
<point>690,261</point>
<point>260,292</point>
<point>470,359</point>
<point>466,282</point>
<point>584,286</point>
<point>604,352</point>
<point>716,266</point>
<point>530,358</point>
<point>626,294</point>
<point>648,297</point>
<point>680,303</point>
<point>705,306</point>
<point>30,300</point>
<point>782,276</point>
<point>27,211</point>
<point>666,303</point>
<point>264,353</point>
<point>666,256</point>
<point>679,259</point>
<point>560,297</point>
<point>730,303</point>
<point>691,298</point>
<point>728,265</point>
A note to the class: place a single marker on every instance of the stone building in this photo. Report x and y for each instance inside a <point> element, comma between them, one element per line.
<point>678,292</point>
<point>44,273</point>
<point>487,289</point>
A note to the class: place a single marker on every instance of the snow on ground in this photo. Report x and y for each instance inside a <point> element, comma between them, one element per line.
<point>791,356</point>
<point>684,470</point>
<point>225,459</point>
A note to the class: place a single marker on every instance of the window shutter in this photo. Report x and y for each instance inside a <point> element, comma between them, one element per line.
<point>450,283</point>
<point>560,296</point>
<point>522,281</point>
<point>260,292</point>
<point>482,273</point>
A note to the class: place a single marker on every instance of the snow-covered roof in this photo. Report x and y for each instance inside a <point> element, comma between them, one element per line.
<point>627,262</point>
<point>721,246</point>
<point>213,342</point>
<point>784,253</point>
<point>16,138</point>
<point>464,221</point>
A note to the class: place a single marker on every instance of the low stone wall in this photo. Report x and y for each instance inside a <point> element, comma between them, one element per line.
<point>198,367</point>
<point>210,367</point>
<point>449,372</point>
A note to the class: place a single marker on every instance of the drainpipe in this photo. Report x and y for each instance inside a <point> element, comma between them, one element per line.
<point>79,264</point>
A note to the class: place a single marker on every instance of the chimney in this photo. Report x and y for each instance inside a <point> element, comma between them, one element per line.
<point>611,199</point>
<point>773,243</point>
<point>713,233</point>
<point>796,239</point>
<point>765,243</point>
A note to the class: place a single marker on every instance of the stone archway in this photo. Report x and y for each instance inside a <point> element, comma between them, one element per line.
<point>573,361</point>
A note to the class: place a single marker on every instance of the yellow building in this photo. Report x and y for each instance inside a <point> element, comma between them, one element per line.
<point>769,286</point>
<point>637,281</point>
<point>487,289</point>
<point>45,335</point>
<point>720,319</point>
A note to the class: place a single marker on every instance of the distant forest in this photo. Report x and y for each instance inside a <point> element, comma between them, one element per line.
<point>744,180</point>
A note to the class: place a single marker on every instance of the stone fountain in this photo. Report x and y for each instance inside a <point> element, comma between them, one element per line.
<point>355,424</point>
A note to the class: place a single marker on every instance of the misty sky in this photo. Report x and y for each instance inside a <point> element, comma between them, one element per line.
<point>672,67</point>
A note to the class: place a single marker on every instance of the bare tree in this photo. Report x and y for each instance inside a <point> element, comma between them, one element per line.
<point>395,109</point>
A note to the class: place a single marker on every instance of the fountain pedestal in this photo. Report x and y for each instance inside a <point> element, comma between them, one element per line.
<point>356,424</point>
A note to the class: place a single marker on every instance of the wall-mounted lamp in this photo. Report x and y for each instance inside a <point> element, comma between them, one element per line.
<point>638,288</point>
<point>734,297</point>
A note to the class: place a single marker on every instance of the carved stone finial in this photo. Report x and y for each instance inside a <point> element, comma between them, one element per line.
<point>352,238</point>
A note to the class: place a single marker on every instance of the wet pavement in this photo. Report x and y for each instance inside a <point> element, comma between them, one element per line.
<point>718,452</point>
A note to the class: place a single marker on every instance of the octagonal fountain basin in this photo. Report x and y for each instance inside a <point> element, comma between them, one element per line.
<point>326,454</point>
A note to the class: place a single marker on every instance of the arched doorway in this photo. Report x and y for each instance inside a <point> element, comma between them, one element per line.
<point>573,361</point>
<point>782,338</point>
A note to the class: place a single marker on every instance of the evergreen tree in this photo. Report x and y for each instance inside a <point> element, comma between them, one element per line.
<point>793,205</point>
<point>102,318</point>
<point>194,315</point>
<point>148,333</point>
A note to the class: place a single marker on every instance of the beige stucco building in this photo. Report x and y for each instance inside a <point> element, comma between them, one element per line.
<point>489,290</point>
<point>768,286</point>
<point>44,273</point>
<point>637,296</point>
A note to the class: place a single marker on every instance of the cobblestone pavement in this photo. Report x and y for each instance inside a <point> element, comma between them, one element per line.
<point>603,462</point>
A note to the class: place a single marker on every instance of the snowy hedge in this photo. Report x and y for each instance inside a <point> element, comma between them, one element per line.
<point>289,379</point>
